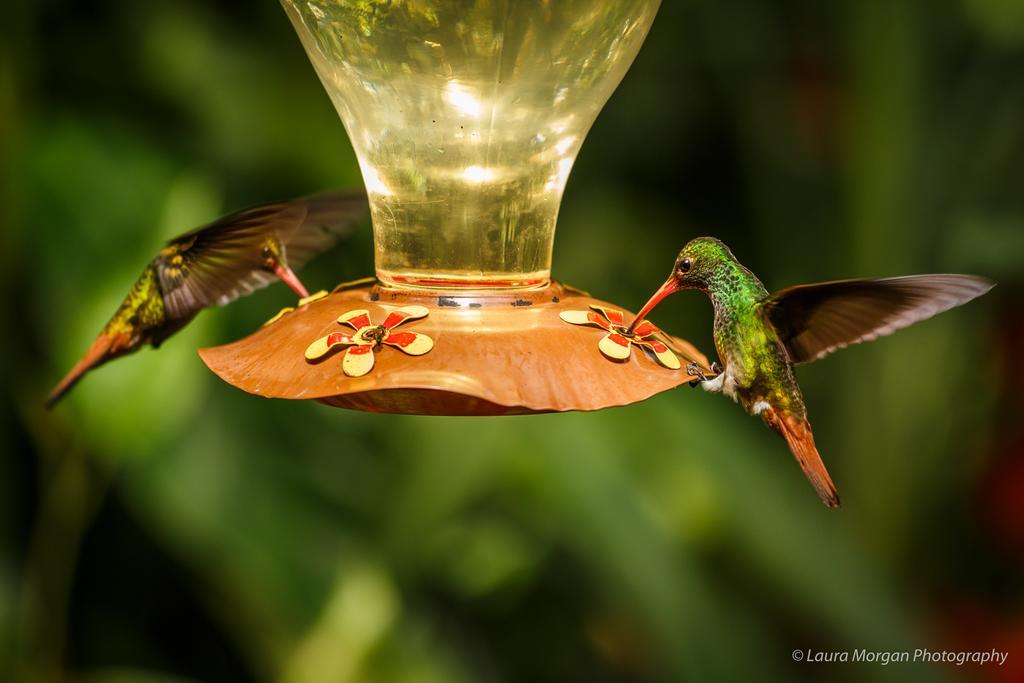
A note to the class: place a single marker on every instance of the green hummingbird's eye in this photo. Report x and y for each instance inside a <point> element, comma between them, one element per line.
<point>685,265</point>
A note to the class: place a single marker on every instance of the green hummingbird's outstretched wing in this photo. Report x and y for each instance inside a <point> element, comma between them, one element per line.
<point>217,263</point>
<point>815,320</point>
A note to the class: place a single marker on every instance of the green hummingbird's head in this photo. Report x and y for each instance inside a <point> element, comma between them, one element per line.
<point>695,268</point>
<point>698,262</point>
<point>271,254</point>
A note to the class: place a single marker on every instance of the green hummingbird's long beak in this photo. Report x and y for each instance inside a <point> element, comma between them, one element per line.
<point>671,285</point>
<point>291,279</point>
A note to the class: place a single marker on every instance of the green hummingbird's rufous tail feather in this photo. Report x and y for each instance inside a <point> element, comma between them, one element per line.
<point>98,353</point>
<point>797,433</point>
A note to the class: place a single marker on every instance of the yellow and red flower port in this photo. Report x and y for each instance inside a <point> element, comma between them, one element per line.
<point>617,344</point>
<point>358,356</point>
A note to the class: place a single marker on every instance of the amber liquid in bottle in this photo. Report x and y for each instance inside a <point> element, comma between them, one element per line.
<point>467,116</point>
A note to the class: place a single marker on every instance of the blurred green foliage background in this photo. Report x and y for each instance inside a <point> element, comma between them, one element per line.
<point>162,526</point>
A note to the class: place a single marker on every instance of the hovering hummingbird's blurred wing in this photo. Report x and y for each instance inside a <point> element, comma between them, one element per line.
<point>217,263</point>
<point>329,217</point>
<point>815,320</point>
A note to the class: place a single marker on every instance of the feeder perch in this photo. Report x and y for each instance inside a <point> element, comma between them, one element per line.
<point>466,117</point>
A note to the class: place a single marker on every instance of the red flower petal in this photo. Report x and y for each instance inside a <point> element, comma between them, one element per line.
<point>661,352</point>
<point>357,319</point>
<point>399,316</point>
<point>599,320</point>
<point>320,347</point>
<point>612,315</point>
<point>645,328</point>
<point>338,338</point>
<point>413,343</point>
<point>652,344</point>
<point>618,339</point>
<point>615,346</point>
<point>400,338</point>
<point>358,361</point>
<point>395,318</point>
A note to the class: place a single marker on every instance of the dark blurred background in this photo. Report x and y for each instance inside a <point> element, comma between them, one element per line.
<point>162,526</point>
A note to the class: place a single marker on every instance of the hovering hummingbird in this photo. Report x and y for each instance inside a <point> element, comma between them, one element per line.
<point>760,336</point>
<point>214,265</point>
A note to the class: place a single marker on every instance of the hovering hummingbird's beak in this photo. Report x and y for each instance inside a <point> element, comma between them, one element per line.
<point>97,354</point>
<point>671,285</point>
<point>290,279</point>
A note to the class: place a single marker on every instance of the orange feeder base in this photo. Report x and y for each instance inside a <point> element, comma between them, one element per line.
<point>480,353</point>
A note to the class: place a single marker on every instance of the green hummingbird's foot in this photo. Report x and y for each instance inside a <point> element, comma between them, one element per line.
<point>716,367</point>
<point>694,370</point>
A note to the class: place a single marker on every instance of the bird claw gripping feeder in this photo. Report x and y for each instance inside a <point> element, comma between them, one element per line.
<point>466,117</point>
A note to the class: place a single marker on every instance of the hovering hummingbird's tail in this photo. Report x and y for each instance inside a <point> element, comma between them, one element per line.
<point>98,353</point>
<point>797,433</point>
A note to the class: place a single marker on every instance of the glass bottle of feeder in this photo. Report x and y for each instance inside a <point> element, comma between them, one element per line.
<point>466,117</point>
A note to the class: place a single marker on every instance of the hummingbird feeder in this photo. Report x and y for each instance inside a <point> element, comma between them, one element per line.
<point>466,117</point>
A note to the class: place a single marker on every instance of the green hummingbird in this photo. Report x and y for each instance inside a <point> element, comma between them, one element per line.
<point>760,336</point>
<point>214,265</point>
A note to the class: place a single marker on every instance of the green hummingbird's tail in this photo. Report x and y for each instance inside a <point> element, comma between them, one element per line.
<point>797,433</point>
<point>98,353</point>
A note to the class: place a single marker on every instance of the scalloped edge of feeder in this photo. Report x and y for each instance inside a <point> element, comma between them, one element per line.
<point>495,353</point>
